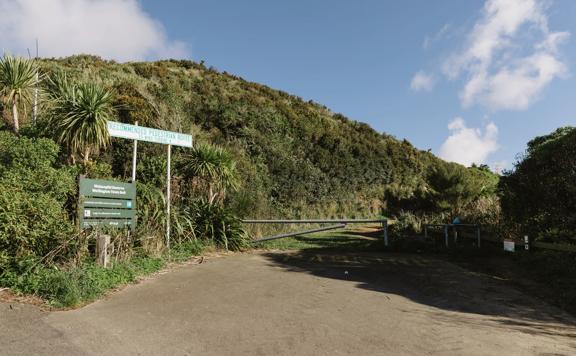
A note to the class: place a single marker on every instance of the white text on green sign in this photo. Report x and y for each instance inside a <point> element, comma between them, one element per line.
<point>107,189</point>
<point>140,133</point>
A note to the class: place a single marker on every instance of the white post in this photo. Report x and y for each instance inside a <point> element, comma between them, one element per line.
<point>35,107</point>
<point>134,153</point>
<point>168,198</point>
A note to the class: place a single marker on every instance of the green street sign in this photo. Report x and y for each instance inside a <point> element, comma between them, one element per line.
<point>107,189</point>
<point>140,133</point>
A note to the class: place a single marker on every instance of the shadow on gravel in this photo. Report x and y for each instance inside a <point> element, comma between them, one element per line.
<point>427,280</point>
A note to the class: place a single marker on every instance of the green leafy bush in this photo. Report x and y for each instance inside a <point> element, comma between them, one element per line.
<point>539,195</point>
<point>34,192</point>
<point>217,225</point>
<point>31,224</point>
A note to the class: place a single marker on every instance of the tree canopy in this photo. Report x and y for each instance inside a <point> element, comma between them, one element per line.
<point>540,194</point>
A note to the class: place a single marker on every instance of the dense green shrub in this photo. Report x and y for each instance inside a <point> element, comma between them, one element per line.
<point>448,191</point>
<point>30,165</point>
<point>217,225</point>
<point>539,195</point>
<point>31,223</point>
<point>34,193</point>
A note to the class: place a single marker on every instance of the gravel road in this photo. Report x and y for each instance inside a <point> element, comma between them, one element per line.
<point>300,303</point>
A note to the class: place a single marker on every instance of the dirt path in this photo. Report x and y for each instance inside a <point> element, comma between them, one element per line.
<point>301,304</point>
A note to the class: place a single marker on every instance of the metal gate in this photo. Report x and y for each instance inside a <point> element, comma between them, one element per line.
<point>340,223</point>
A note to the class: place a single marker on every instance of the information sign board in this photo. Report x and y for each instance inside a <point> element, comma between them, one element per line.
<point>107,203</point>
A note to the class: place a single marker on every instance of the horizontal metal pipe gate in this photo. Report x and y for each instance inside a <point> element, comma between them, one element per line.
<point>316,221</point>
<point>342,223</point>
<point>333,227</point>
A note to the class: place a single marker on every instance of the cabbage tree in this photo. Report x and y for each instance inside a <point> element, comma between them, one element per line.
<point>79,115</point>
<point>18,78</point>
<point>213,168</point>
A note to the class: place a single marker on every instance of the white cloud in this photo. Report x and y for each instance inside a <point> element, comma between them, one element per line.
<point>510,57</point>
<point>422,82</point>
<point>112,29</point>
<point>500,166</point>
<point>429,40</point>
<point>469,145</point>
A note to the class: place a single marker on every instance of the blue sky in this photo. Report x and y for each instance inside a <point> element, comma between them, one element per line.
<point>497,72</point>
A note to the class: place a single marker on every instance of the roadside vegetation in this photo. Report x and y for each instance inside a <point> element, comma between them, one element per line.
<point>539,195</point>
<point>258,153</point>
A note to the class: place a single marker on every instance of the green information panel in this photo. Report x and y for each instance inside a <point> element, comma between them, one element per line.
<point>107,203</point>
<point>107,189</point>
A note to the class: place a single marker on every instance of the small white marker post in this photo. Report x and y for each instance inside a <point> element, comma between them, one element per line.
<point>168,197</point>
<point>134,153</point>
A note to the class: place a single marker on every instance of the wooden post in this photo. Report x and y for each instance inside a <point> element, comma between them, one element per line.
<point>102,247</point>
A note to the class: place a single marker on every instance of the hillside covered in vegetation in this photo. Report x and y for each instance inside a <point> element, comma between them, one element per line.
<point>295,158</point>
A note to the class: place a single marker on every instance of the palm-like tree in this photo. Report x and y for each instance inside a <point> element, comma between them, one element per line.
<point>18,78</point>
<point>79,115</point>
<point>214,168</point>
